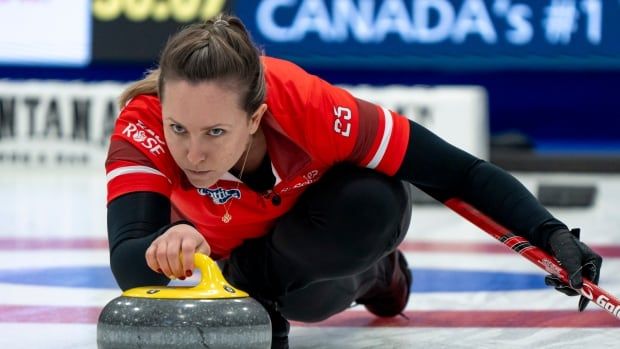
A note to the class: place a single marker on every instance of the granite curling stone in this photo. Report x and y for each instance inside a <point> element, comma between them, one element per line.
<point>211,314</point>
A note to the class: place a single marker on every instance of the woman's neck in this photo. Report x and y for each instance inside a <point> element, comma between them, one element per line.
<point>257,150</point>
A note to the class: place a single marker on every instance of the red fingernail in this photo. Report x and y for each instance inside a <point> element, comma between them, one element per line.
<point>181,278</point>
<point>160,271</point>
<point>188,273</point>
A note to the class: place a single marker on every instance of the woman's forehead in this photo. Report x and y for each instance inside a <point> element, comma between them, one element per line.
<point>195,102</point>
<point>186,91</point>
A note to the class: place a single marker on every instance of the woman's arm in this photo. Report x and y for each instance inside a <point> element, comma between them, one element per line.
<point>134,221</point>
<point>444,171</point>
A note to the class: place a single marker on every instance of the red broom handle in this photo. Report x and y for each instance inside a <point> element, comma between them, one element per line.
<point>534,254</point>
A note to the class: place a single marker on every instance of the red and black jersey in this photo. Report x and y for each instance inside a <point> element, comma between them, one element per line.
<point>310,125</point>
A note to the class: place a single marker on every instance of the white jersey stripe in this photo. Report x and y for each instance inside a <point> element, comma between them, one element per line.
<point>385,140</point>
<point>131,170</point>
<point>275,174</point>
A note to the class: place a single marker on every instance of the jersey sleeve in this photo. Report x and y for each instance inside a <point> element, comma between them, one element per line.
<point>138,158</point>
<point>334,125</point>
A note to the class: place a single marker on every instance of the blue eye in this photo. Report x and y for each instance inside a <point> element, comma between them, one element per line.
<point>216,132</point>
<point>177,128</point>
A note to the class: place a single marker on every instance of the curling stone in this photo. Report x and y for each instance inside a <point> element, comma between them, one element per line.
<point>211,314</point>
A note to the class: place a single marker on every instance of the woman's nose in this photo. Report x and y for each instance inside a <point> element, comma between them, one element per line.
<point>194,153</point>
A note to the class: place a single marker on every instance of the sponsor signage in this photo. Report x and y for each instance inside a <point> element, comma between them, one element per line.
<point>136,30</point>
<point>379,34</point>
<point>48,33</point>
<point>47,124</point>
<point>56,124</point>
<point>385,34</point>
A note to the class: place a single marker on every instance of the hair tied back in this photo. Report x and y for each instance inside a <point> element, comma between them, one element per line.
<point>221,22</point>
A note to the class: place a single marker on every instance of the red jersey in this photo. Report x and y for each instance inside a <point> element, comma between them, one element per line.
<point>309,126</point>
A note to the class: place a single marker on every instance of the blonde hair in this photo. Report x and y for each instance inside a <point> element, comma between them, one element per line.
<point>218,49</point>
<point>146,86</point>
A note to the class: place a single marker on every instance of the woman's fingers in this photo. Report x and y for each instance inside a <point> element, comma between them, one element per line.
<point>151,260</point>
<point>172,254</point>
<point>173,258</point>
<point>188,248</point>
<point>204,247</point>
<point>161,254</point>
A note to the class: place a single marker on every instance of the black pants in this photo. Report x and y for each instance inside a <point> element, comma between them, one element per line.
<point>327,251</point>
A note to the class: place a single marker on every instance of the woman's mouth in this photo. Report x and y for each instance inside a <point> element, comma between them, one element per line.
<point>197,173</point>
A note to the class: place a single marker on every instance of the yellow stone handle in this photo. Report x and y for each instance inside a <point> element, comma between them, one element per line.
<point>212,278</point>
<point>212,285</point>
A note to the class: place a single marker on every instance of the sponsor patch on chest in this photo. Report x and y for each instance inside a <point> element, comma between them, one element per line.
<point>219,195</point>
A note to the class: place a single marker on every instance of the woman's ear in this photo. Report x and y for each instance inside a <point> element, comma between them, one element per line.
<point>257,117</point>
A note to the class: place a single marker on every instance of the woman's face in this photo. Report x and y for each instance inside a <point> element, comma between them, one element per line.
<point>206,129</point>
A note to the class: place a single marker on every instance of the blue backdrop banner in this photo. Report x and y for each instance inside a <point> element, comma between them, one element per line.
<point>453,34</point>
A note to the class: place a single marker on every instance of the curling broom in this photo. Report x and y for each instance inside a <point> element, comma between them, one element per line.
<point>534,254</point>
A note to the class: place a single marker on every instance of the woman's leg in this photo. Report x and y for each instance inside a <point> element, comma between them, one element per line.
<point>327,248</point>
